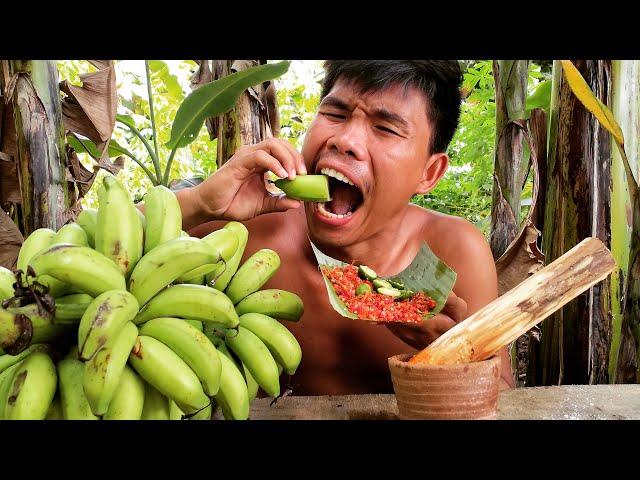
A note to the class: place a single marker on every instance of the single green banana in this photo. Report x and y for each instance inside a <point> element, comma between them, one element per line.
<point>203,413</point>
<point>193,302</point>
<point>36,243</point>
<point>253,353</point>
<point>275,303</point>
<point>73,353</point>
<point>174,411</point>
<point>164,217</point>
<point>102,372</point>
<point>279,340</point>
<point>6,380</point>
<point>160,366</point>
<point>82,267</point>
<point>88,220</point>
<point>156,405</point>
<point>12,328</point>
<point>7,360</point>
<point>252,385</point>
<point>71,233</point>
<point>128,400</point>
<point>32,390</point>
<point>7,279</point>
<point>55,409</point>
<point>308,188</point>
<point>232,397</point>
<point>191,345</point>
<point>196,280</point>
<point>222,280</point>
<point>44,329</point>
<point>166,263</point>
<point>70,308</point>
<point>75,405</point>
<point>104,318</point>
<point>253,274</point>
<point>119,232</point>
<point>142,218</point>
<point>195,323</point>
<point>225,242</point>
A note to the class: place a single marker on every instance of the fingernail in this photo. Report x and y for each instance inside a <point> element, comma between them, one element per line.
<point>292,174</point>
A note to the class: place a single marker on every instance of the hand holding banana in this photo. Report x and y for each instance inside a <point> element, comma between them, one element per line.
<point>237,191</point>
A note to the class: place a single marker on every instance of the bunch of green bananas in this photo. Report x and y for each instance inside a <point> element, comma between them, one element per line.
<point>146,322</point>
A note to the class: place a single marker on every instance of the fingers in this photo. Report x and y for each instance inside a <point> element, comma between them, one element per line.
<point>441,323</point>
<point>299,159</point>
<point>278,204</point>
<point>266,162</point>
<point>411,336</point>
<point>283,152</point>
<point>456,308</point>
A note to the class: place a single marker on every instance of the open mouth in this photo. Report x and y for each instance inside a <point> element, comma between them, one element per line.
<point>346,198</point>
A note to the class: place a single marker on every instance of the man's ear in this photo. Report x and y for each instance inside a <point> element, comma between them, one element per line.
<point>434,169</point>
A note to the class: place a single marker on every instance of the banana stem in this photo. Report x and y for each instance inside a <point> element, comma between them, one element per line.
<point>153,121</point>
<point>154,157</point>
<point>167,171</point>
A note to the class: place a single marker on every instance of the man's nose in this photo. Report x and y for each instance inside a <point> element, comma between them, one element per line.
<point>349,140</point>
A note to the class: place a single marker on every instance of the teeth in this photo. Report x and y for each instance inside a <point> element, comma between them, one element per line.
<point>324,212</point>
<point>330,172</point>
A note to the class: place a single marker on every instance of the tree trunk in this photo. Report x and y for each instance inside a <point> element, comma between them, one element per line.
<point>248,122</point>
<point>510,78</point>
<point>624,363</point>
<point>40,153</point>
<point>575,341</point>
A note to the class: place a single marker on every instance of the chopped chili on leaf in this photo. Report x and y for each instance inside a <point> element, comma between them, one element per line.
<point>376,306</point>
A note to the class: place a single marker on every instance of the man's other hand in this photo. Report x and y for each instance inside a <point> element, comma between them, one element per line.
<point>421,335</point>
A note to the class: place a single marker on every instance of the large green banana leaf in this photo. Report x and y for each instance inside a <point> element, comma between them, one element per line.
<point>216,98</point>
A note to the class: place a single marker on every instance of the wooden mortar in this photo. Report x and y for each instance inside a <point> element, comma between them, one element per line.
<point>446,392</point>
<point>457,376</point>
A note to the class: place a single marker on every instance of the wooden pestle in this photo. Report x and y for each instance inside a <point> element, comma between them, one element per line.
<point>506,318</point>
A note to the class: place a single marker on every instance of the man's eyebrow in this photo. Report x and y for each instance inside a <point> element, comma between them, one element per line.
<point>390,116</point>
<point>329,101</point>
<point>381,113</point>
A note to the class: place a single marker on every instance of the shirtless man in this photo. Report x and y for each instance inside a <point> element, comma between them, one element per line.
<point>385,126</point>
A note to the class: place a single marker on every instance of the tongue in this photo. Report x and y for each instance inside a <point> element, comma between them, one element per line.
<point>343,198</point>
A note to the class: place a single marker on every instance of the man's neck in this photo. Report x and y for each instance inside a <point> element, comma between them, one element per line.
<point>386,252</point>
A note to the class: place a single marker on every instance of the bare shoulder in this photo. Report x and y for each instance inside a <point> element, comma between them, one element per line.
<point>463,247</point>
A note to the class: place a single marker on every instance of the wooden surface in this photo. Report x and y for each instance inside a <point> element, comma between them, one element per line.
<point>568,402</point>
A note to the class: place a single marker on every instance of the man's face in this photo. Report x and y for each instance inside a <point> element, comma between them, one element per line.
<point>379,141</point>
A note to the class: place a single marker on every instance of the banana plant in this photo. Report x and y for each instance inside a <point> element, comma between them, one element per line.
<point>210,100</point>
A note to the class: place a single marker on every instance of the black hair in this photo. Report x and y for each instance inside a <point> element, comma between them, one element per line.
<point>439,80</point>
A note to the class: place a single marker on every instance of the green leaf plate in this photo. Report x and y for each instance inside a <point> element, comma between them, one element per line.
<point>426,273</point>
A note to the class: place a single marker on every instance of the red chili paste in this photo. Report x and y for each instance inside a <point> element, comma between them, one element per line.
<point>375,306</point>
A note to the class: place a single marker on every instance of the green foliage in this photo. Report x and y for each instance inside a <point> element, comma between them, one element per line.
<point>217,98</point>
<point>465,190</point>
<point>297,108</point>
